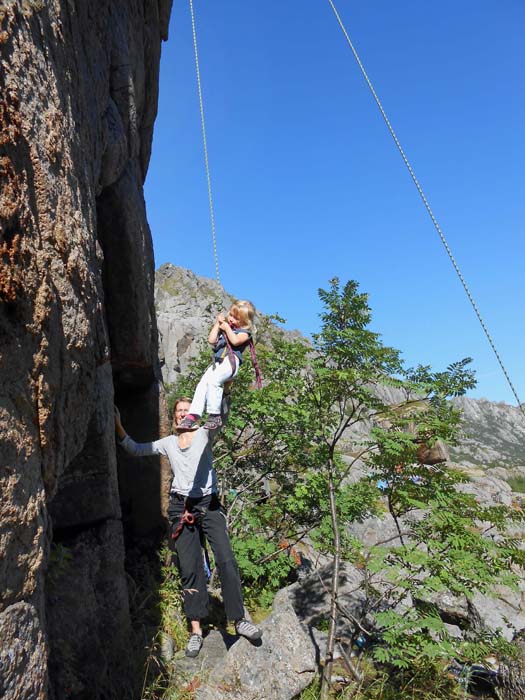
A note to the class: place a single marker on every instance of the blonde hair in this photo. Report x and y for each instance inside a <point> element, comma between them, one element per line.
<point>181,399</point>
<point>178,400</point>
<point>244,311</point>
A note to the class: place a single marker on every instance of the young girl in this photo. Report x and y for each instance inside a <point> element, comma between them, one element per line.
<point>230,336</point>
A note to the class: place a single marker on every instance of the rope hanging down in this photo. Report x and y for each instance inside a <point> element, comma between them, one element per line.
<point>205,144</point>
<point>427,206</point>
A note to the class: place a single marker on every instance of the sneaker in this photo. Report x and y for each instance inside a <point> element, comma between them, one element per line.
<point>214,422</point>
<point>194,645</point>
<point>247,629</point>
<point>187,423</point>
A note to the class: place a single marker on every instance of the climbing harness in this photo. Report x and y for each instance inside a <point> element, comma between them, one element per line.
<point>186,518</point>
<point>231,357</point>
<point>427,205</point>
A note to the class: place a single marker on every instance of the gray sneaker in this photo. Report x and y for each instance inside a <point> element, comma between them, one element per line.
<point>194,645</point>
<point>247,629</point>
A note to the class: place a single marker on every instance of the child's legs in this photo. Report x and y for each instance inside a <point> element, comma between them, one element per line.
<point>217,378</point>
<point>199,397</point>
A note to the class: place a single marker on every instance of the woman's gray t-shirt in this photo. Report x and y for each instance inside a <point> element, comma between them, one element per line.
<point>192,466</point>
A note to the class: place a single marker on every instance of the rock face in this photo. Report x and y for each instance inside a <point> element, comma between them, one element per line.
<point>494,434</point>
<point>78,98</point>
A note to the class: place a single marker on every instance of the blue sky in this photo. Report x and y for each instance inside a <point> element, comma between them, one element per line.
<point>307,182</point>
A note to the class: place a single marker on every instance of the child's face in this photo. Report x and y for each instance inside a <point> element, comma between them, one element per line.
<point>232,318</point>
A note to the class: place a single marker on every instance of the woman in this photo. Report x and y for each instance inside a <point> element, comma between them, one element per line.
<point>195,512</point>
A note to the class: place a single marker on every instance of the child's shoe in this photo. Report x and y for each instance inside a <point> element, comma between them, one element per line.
<point>214,422</point>
<point>187,423</point>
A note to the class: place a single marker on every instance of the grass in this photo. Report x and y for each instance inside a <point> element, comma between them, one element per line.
<point>517,483</point>
<point>425,683</point>
<point>157,617</point>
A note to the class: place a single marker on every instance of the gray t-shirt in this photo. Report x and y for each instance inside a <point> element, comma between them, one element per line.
<point>192,467</point>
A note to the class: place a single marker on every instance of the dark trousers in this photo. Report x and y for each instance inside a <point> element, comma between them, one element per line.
<point>210,523</point>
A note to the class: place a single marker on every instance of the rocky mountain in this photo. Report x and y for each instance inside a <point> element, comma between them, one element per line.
<point>494,433</point>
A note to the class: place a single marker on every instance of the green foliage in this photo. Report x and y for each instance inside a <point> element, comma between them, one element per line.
<point>429,681</point>
<point>312,692</point>
<point>173,621</point>
<point>425,682</point>
<point>263,568</point>
<point>517,483</point>
<point>158,617</point>
<point>354,351</point>
<point>453,544</point>
<point>354,502</point>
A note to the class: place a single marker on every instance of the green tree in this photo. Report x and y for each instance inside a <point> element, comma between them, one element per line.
<point>348,365</point>
<point>446,548</point>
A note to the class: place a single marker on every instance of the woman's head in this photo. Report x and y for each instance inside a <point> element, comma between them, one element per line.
<point>242,312</point>
<point>181,408</point>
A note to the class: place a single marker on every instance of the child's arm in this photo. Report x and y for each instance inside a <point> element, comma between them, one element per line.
<point>216,329</point>
<point>234,338</point>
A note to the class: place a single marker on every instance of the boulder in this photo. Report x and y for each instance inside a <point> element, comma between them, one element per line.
<point>488,490</point>
<point>278,668</point>
<point>503,612</point>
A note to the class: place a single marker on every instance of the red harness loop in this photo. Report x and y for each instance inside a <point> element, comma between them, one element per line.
<point>186,518</point>
<point>258,375</point>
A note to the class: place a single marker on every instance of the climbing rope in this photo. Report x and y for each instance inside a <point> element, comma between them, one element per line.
<point>205,144</point>
<point>427,206</point>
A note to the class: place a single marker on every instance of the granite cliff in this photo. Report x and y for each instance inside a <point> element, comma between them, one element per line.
<point>78,99</point>
<point>494,434</point>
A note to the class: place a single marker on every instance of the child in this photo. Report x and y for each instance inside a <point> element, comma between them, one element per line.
<point>229,337</point>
